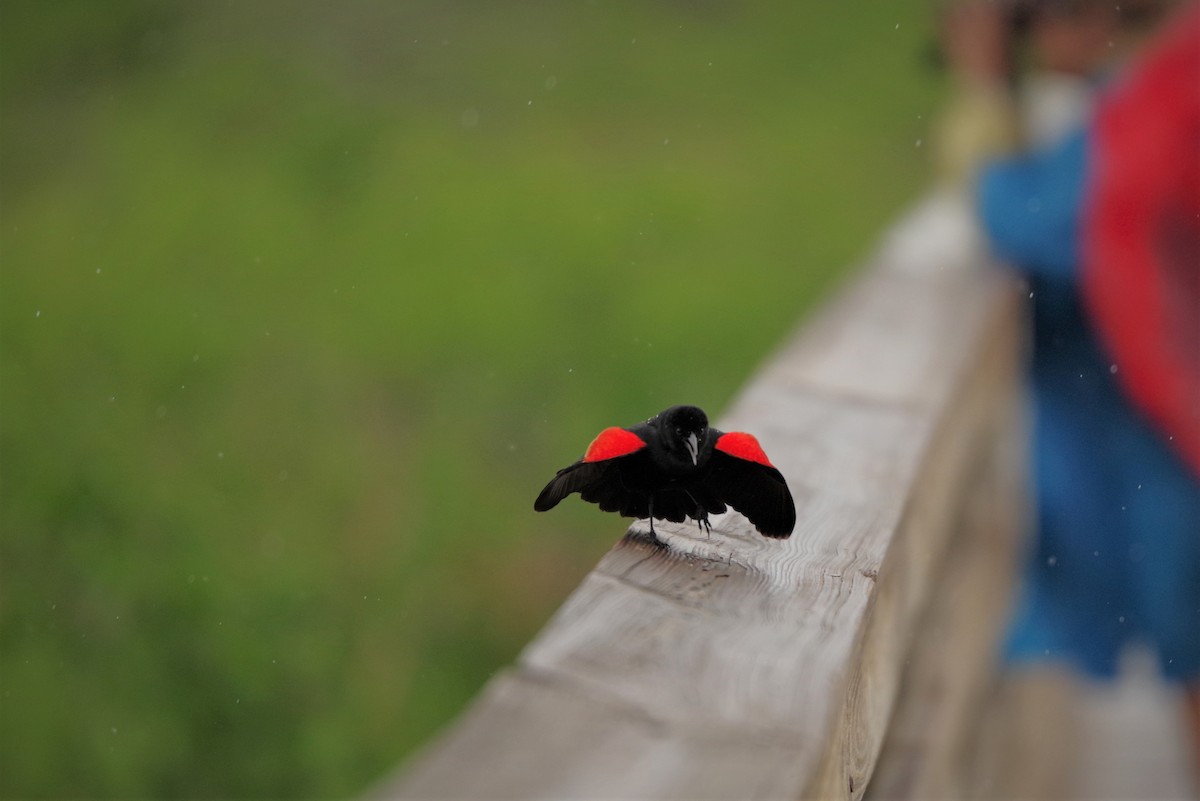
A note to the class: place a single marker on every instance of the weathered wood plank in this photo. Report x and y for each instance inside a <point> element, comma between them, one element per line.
<point>930,745</point>
<point>1029,747</point>
<point>733,666</point>
<point>841,350</point>
<point>1051,736</point>
<point>546,723</point>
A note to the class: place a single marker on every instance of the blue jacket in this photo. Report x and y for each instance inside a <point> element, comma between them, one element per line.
<point>1116,554</point>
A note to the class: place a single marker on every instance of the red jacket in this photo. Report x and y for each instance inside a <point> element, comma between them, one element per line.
<point>1141,232</point>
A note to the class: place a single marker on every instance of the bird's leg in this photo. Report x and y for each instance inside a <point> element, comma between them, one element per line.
<point>700,516</point>
<point>653,536</point>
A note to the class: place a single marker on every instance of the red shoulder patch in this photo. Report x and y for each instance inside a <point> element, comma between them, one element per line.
<point>611,443</point>
<point>741,445</point>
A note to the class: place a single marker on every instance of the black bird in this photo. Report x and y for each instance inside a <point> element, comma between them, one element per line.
<point>674,466</point>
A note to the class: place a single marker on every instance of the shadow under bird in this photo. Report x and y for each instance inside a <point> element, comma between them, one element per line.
<point>674,466</point>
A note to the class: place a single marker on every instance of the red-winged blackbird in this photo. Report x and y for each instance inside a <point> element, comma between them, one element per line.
<point>674,466</point>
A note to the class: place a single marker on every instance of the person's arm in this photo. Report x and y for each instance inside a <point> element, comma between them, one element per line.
<point>979,120</point>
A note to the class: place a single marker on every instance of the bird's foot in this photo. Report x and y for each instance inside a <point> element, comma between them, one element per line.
<point>654,536</point>
<point>650,536</point>
<point>654,540</point>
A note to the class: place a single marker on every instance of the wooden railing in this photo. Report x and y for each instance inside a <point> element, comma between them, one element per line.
<point>844,661</point>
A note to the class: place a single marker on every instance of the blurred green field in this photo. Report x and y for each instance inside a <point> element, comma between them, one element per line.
<point>302,302</point>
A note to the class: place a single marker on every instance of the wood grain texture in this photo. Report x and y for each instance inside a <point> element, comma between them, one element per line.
<point>732,666</point>
<point>931,744</point>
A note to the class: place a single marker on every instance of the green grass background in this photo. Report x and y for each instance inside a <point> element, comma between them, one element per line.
<point>302,302</point>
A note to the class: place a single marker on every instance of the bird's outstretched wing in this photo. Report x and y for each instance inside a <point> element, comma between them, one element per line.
<point>743,477</point>
<point>597,476</point>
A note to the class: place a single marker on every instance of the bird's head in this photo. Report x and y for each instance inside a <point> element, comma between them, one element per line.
<point>684,430</point>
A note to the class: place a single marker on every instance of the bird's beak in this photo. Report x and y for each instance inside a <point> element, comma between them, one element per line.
<point>693,446</point>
